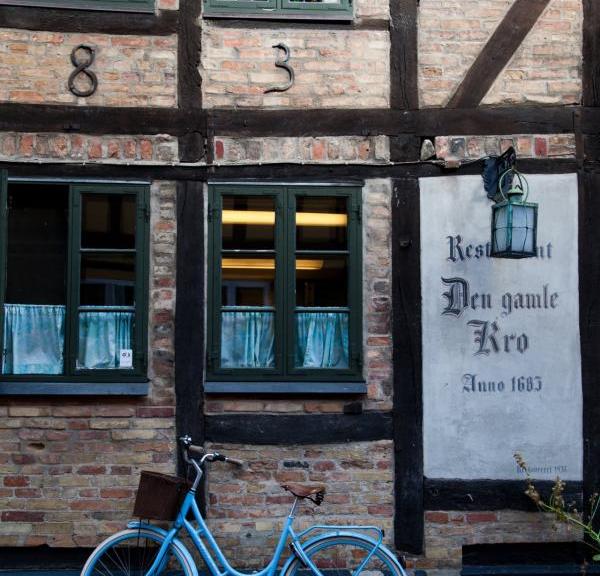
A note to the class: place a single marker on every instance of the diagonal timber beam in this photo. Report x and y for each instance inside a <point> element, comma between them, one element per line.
<point>497,53</point>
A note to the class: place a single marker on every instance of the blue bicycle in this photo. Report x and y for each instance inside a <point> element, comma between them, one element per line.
<point>147,550</point>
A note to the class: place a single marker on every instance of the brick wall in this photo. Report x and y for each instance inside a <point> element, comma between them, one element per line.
<point>70,467</point>
<point>359,480</point>
<point>545,69</point>
<point>329,149</point>
<point>27,146</point>
<point>334,69</point>
<point>447,532</point>
<point>377,337</point>
<point>131,70</point>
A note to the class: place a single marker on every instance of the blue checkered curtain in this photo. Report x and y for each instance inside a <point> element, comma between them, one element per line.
<point>34,338</point>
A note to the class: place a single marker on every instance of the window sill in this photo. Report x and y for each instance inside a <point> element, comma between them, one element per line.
<point>312,388</point>
<point>28,388</point>
<point>266,15</point>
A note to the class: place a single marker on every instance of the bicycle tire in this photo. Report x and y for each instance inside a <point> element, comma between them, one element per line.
<point>341,555</point>
<point>131,553</point>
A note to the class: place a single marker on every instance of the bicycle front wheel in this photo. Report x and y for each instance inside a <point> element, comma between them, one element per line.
<point>344,556</point>
<point>132,552</point>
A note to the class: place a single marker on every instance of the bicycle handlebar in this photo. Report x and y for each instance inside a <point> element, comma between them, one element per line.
<point>199,451</point>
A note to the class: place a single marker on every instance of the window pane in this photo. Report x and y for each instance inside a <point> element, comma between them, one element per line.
<point>321,340</point>
<point>248,223</point>
<point>34,309</point>
<point>33,339</point>
<point>105,340</point>
<point>247,281</point>
<point>247,339</point>
<point>321,223</point>
<point>108,221</point>
<point>107,279</point>
<point>37,244</point>
<point>321,281</point>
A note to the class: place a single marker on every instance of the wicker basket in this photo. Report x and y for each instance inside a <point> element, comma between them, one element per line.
<point>159,496</point>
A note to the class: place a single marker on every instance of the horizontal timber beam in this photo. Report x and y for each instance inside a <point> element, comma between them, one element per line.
<point>282,429</point>
<point>294,123</point>
<point>98,119</point>
<point>442,494</point>
<point>305,173</point>
<point>88,21</point>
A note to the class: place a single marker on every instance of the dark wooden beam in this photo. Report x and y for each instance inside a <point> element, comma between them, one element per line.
<point>88,21</point>
<point>291,123</point>
<point>591,53</point>
<point>98,119</point>
<point>317,122</point>
<point>258,173</point>
<point>497,53</point>
<point>282,429</point>
<point>589,327</point>
<point>189,90</point>
<point>441,494</point>
<point>497,120</point>
<point>189,320</point>
<point>408,406</point>
<point>404,92</point>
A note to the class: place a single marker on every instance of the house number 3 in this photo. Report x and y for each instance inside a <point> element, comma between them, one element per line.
<point>283,63</point>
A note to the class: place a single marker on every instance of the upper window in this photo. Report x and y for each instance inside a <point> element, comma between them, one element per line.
<point>285,283</point>
<point>314,9</point>
<point>73,281</point>
<point>105,5</point>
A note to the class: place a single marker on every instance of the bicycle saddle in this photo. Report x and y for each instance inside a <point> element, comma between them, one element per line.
<point>306,491</point>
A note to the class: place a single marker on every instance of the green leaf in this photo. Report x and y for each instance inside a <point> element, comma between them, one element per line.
<point>596,557</point>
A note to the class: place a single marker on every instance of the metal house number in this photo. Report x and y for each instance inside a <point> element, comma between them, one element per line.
<point>81,67</point>
<point>283,63</point>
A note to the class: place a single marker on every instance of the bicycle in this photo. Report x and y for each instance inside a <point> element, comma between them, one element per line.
<point>144,549</point>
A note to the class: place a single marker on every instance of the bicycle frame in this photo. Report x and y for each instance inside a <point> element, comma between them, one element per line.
<point>214,557</point>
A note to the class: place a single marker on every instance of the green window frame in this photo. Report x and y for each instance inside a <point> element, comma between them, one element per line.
<point>285,373</point>
<point>86,380</point>
<point>101,5</point>
<point>293,9</point>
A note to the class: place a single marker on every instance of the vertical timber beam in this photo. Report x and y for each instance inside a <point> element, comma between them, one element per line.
<point>591,53</point>
<point>589,322</point>
<point>189,81</point>
<point>404,92</point>
<point>189,316</point>
<point>408,397</point>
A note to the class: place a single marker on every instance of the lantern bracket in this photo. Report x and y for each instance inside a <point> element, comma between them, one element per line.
<point>493,169</point>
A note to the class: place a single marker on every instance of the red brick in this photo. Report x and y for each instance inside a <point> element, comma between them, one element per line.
<point>116,493</point>
<point>219,149</point>
<point>21,516</point>
<point>91,470</point>
<point>16,481</point>
<point>436,517</point>
<point>23,459</point>
<point>146,149</point>
<point>480,517</point>
<point>541,147</point>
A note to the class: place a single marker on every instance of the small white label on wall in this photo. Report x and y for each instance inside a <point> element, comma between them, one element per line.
<point>126,358</point>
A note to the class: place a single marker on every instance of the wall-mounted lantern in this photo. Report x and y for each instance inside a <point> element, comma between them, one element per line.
<point>514,220</point>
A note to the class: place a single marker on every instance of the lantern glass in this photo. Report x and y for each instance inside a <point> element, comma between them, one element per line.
<point>514,229</point>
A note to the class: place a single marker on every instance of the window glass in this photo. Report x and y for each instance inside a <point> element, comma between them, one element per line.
<point>59,323</point>
<point>286,306</point>
<point>36,262</point>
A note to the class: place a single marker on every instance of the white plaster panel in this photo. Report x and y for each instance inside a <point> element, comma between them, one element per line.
<point>473,434</point>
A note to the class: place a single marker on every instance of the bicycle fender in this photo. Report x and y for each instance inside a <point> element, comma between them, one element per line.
<point>338,534</point>
<point>175,542</point>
